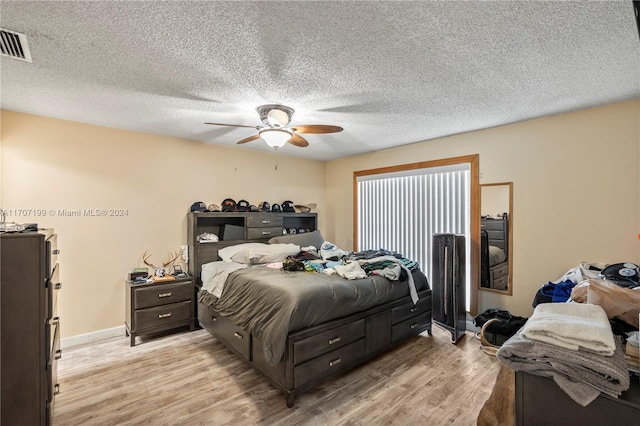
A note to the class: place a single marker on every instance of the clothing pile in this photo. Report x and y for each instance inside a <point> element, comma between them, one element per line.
<point>573,344</point>
<point>332,260</point>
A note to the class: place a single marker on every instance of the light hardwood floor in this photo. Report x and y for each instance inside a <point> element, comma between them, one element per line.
<point>189,378</point>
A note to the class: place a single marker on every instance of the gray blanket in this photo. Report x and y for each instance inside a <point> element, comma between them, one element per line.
<point>271,303</point>
<point>581,374</point>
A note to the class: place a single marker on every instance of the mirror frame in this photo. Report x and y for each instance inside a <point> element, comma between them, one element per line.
<point>509,291</point>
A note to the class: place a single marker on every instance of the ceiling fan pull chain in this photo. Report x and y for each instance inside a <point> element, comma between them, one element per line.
<point>276,160</point>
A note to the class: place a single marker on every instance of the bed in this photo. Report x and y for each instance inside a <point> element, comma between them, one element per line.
<point>494,253</point>
<point>300,328</point>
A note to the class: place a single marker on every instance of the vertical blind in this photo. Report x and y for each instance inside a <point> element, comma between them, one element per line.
<point>400,211</point>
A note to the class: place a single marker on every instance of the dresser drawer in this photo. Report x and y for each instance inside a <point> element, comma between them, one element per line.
<point>409,310</point>
<point>410,326</point>
<point>311,347</point>
<point>264,221</point>
<point>493,225</point>
<point>260,233</point>
<point>337,360</point>
<point>159,316</point>
<point>162,294</point>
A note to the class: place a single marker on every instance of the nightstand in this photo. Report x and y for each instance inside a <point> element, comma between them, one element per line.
<point>155,307</point>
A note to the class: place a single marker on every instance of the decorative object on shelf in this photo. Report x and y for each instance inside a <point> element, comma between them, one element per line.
<point>160,272</point>
<point>276,133</point>
<point>304,208</point>
<point>198,206</point>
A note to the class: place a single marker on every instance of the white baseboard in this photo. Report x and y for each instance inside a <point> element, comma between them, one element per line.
<point>95,336</point>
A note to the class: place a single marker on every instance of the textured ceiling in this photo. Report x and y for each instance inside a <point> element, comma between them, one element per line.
<point>390,73</point>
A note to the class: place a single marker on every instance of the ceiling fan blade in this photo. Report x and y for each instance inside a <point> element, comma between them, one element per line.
<point>317,128</point>
<point>298,140</point>
<point>249,139</point>
<point>232,125</point>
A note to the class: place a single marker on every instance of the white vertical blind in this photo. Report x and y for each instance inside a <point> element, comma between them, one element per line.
<point>401,211</point>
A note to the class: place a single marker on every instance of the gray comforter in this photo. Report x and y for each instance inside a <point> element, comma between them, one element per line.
<point>271,303</point>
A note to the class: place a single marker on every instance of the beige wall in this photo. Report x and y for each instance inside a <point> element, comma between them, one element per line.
<point>576,191</point>
<point>576,195</point>
<point>52,164</point>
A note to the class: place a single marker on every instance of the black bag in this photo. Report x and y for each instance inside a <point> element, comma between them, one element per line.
<point>499,332</point>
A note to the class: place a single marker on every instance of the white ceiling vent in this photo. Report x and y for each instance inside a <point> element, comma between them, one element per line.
<point>14,45</point>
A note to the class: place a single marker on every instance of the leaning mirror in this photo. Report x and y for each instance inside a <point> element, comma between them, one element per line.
<point>496,247</point>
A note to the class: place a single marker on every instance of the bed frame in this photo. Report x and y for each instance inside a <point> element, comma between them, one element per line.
<point>494,232</point>
<point>315,354</point>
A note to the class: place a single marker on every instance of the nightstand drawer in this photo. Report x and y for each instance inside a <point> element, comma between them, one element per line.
<point>162,294</point>
<point>258,233</point>
<point>500,283</point>
<point>160,315</point>
<point>264,221</point>
<point>499,271</point>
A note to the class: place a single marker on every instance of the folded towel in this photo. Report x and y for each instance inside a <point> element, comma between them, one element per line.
<point>581,374</point>
<point>572,326</point>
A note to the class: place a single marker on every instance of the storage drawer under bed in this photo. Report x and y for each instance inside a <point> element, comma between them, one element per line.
<point>334,361</point>
<point>314,346</point>
<point>408,327</point>
<point>235,338</point>
<point>409,310</point>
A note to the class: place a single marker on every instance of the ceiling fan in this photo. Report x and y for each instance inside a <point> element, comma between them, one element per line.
<point>276,131</point>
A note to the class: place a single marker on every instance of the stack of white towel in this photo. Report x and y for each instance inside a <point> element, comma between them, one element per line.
<point>573,344</point>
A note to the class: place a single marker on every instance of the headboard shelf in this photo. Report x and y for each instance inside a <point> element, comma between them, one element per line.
<point>252,227</point>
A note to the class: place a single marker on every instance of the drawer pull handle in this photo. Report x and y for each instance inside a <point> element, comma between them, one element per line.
<point>414,325</point>
<point>335,362</point>
<point>164,315</point>
<point>332,341</point>
<point>58,354</point>
<point>164,295</point>
<point>412,310</point>
<point>238,335</point>
<point>266,232</point>
<point>266,221</point>
<point>56,389</point>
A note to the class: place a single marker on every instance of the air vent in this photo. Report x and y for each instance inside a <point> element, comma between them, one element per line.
<point>14,45</point>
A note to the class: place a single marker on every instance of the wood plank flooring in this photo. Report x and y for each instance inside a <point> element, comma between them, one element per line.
<point>190,378</point>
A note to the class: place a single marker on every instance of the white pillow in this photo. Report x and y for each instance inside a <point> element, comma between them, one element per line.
<point>226,253</point>
<point>253,253</point>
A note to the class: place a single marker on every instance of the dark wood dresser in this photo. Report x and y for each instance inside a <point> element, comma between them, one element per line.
<point>30,327</point>
<point>539,401</point>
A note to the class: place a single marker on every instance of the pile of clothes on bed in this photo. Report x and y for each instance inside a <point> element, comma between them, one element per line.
<point>573,344</point>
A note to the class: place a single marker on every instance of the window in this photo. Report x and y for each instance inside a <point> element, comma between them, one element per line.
<point>400,209</point>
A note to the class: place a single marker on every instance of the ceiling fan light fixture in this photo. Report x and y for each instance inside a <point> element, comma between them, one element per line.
<point>275,138</point>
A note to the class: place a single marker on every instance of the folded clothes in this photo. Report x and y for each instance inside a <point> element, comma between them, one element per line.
<point>351,271</point>
<point>572,326</point>
<point>581,374</point>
